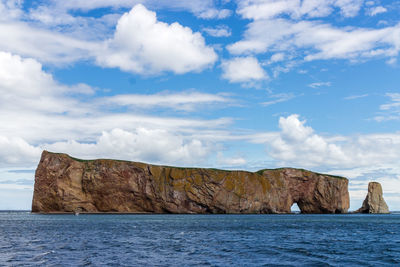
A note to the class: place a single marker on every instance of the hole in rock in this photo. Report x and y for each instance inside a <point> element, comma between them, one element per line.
<point>295,208</point>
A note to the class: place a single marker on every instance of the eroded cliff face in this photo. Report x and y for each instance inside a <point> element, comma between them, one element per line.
<point>65,184</point>
<point>374,202</point>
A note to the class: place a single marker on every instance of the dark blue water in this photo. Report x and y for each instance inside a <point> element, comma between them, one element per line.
<point>189,240</point>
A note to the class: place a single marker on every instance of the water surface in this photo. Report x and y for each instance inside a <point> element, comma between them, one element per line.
<point>202,240</point>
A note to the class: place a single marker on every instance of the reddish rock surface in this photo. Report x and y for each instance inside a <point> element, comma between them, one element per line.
<point>66,184</point>
<point>374,202</point>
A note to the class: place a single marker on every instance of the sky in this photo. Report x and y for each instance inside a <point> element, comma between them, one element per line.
<point>232,84</point>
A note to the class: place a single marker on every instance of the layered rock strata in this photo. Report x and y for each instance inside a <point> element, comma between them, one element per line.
<point>374,202</point>
<point>66,184</point>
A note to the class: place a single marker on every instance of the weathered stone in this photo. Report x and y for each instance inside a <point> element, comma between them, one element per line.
<point>374,202</point>
<point>65,184</point>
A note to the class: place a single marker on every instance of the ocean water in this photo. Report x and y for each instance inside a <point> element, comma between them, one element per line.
<point>199,240</point>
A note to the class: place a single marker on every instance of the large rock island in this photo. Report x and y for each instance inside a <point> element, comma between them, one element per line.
<point>66,184</point>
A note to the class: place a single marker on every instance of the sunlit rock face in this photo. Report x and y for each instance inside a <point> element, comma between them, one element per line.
<point>374,202</point>
<point>66,184</point>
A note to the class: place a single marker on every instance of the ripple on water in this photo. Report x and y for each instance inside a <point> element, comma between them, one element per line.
<point>202,240</point>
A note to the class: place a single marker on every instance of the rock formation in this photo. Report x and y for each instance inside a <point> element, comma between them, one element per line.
<point>66,184</point>
<point>374,202</point>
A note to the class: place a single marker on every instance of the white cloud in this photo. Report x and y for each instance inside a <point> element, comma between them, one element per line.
<point>297,144</point>
<point>243,69</point>
<point>376,10</point>
<point>33,106</point>
<point>351,97</point>
<point>395,102</point>
<point>230,161</point>
<point>391,110</point>
<point>277,57</point>
<point>187,101</point>
<point>218,31</point>
<point>284,26</point>
<point>206,9</point>
<point>279,98</point>
<point>214,13</point>
<point>267,9</point>
<point>44,45</point>
<point>148,145</point>
<point>142,44</point>
<point>75,26</point>
<point>348,8</point>
<point>24,86</point>
<point>315,40</point>
<point>319,84</point>
<point>37,112</point>
<point>10,9</point>
<point>16,151</point>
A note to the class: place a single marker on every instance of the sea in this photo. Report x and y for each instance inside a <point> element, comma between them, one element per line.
<point>199,240</point>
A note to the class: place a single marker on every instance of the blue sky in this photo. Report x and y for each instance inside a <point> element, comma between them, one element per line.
<point>229,84</point>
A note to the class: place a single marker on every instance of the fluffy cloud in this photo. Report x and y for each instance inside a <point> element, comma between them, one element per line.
<point>298,144</point>
<point>243,69</point>
<point>142,44</point>
<point>25,86</point>
<point>31,99</point>
<point>149,145</point>
<point>37,112</point>
<point>15,151</point>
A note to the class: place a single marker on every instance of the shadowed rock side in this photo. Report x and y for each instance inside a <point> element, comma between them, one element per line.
<point>374,202</point>
<point>65,184</point>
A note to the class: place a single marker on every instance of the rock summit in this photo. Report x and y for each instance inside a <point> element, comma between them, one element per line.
<point>374,202</point>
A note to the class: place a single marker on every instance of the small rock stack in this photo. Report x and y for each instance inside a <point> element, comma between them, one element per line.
<point>374,202</point>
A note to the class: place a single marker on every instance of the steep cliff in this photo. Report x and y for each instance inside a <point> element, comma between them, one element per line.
<point>374,202</point>
<point>66,184</point>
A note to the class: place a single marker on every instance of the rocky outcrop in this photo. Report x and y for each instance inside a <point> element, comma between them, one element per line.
<point>66,184</point>
<point>374,202</point>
